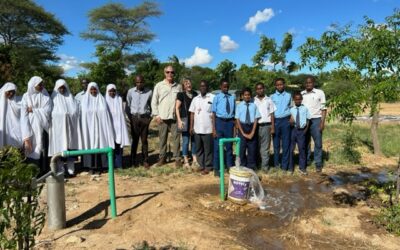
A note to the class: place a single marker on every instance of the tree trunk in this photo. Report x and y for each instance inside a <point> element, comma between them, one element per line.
<point>398,182</point>
<point>374,133</point>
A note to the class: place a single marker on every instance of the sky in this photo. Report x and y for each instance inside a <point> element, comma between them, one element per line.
<point>207,32</point>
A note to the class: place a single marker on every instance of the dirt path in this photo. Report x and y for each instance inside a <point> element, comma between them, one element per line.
<point>183,210</point>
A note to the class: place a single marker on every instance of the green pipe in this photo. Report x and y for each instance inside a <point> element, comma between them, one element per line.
<point>111,183</point>
<point>222,141</point>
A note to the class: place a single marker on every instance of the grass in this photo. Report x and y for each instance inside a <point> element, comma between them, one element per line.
<point>389,137</point>
<point>152,172</point>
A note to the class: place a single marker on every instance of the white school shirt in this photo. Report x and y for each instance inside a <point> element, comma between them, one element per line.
<point>201,107</point>
<point>266,107</point>
<point>315,102</point>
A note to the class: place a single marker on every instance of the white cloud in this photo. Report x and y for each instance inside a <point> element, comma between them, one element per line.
<point>259,17</point>
<point>69,62</point>
<point>199,57</point>
<point>226,44</point>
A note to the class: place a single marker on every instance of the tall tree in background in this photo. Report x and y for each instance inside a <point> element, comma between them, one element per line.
<point>117,27</point>
<point>271,53</point>
<point>371,49</point>
<point>29,37</point>
<point>108,69</point>
<point>226,70</point>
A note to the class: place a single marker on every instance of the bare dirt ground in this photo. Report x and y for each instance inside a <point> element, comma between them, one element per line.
<point>183,210</point>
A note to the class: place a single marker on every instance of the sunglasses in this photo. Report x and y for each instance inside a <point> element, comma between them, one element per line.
<point>169,72</point>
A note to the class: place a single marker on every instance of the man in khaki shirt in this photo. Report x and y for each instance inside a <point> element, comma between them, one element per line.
<point>163,110</point>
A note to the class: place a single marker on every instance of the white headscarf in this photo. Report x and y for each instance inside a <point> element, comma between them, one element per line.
<point>118,117</point>
<point>10,113</point>
<point>97,130</point>
<point>33,124</point>
<point>65,127</point>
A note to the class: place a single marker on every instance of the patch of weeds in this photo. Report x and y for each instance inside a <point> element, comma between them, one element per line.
<point>152,172</point>
<point>389,217</point>
<point>349,143</point>
<point>326,222</point>
<point>146,246</point>
<point>133,172</point>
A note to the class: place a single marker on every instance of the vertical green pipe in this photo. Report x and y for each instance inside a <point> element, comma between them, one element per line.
<point>221,170</point>
<point>111,184</point>
<point>221,143</point>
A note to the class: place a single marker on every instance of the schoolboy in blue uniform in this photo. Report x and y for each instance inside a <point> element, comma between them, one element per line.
<point>247,116</point>
<point>299,120</point>
<point>223,109</point>
<point>282,101</point>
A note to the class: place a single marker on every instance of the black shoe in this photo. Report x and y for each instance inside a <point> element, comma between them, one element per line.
<point>216,174</point>
<point>318,169</point>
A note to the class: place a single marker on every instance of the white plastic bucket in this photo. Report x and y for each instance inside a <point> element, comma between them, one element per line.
<point>239,185</point>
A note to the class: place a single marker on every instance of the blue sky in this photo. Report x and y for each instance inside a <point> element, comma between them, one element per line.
<point>206,32</point>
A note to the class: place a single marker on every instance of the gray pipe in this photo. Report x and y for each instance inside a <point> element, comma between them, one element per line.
<point>56,196</point>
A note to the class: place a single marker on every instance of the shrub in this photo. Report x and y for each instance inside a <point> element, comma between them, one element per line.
<point>21,218</point>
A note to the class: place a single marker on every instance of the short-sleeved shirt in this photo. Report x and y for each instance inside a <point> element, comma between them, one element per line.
<point>185,103</point>
<point>201,108</point>
<point>241,111</point>
<point>139,102</point>
<point>219,105</point>
<point>315,102</point>
<point>282,103</point>
<point>304,115</point>
<point>266,107</point>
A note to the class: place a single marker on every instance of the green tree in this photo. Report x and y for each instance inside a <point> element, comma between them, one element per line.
<point>226,70</point>
<point>29,38</point>
<point>198,73</point>
<point>109,68</point>
<point>117,27</point>
<point>152,71</point>
<point>372,50</point>
<point>270,52</point>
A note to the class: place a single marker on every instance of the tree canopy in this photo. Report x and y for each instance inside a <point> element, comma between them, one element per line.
<point>29,38</point>
<point>370,55</point>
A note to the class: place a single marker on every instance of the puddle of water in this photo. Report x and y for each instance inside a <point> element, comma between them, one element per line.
<point>341,178</point>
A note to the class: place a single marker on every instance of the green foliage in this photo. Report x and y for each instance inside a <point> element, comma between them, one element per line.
<point>336,132</point>
<point>21,217</point>
<point>270,52</point>
<point>226,70</point>
<point>349,143</point>
<point>117,27</point>
<point>250,76</point>
<point>152,71</point>
<point>372,50</point>
<point>30,37</point>
<point>108,69</point>
<point>390,218</point>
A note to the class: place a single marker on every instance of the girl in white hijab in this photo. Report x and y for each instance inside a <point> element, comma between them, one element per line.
<point>65,127</point>
<point>35,121</point>
<point>97,130</point>
<point>10,113</point>
<point>114,103</point>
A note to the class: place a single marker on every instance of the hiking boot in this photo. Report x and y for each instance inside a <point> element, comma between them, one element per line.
<point>146,165</point>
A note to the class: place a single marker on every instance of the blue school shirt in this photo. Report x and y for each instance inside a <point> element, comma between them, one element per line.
<point>241,110</point>
<point>282,102</point>
<point>219,105</point>
<point>304,115</point>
